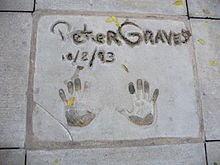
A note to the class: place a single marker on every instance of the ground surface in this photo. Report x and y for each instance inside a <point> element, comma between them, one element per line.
<point>109,82</point>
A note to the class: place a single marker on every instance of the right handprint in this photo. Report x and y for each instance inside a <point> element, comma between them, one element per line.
<point>144,105</point>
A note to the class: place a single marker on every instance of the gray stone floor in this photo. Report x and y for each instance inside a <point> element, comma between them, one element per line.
<point>187,125</point>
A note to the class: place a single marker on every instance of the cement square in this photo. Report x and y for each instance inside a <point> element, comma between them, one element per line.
<point>213,153</point>
<point>204,8</point>
<point>207,38</point>
<point>112,79</point>
<point>12,157</point>
<point>16,5</point>
<point>15,34</point>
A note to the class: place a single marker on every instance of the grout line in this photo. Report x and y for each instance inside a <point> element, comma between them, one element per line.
<point>212,141</point>
<point>34,6</point>
<point>11,148</point>
<point>25,157</point>
<point>187,9</point>
<point>206,155</point>
<point>15,11</point>
<point>211,18</point>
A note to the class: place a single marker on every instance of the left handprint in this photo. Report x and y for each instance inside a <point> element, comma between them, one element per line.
<point>77,113</point>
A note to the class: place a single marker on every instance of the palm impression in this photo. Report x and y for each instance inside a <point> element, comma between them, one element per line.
<point>144,105</point>
<point>77,112</point>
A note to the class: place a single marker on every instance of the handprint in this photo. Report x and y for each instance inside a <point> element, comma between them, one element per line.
<point>144,106</point>
<point>77,113</point>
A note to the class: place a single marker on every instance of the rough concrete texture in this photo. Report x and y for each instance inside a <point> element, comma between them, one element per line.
<point>206,35</point>
<point>15,32</point>
<point>180,154</point>
<point>54,132</point>
<point>165,7</point>
<point>213,153</point>
<point>16,5</point>
<point>204,8</point>
<point>12,157</point>
<point>170,112</point>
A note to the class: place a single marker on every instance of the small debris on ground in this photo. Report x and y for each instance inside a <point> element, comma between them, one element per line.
<point>124,67</point>
<point>201,41</point>
<point>180,2</point>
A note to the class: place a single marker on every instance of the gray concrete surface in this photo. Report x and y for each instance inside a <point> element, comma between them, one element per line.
<point>103,122</point>
<point>12,157</point>
<point>181,154</point>
<point>213,153</point>
<point>165,7</point>
<point>15,36</point>
<point>45,127</point>
<point>204,8</point>
<point>208,61</point>
<point>160,64</point>
<point>16,5</point>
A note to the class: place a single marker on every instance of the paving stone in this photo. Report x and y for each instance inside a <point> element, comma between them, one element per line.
<point>165,7</point>
<point>16,5</point>
<point>204,8</point>
<point>208,59</point>
<point>15,32</point>
<point>181,154</point>
<point>104,107</point>
<point>213,153</point>
<point>12,157</point>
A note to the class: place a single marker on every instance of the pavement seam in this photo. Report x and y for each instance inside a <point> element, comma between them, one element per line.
<point>206,156</point>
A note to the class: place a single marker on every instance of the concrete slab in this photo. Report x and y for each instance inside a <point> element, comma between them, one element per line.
<point>213,153</point>
<point>165,7</point>
<point>204,8</point>
<point>207,38</point>
<point>89,85</point>
<point>181,154</point>
<point>15,32</point>
<point>16,5</point>
<point>12,157</point>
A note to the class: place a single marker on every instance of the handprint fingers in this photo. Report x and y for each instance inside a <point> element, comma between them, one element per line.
<point>131,88</point>
<point>70,87</point>
<point>139,88</point>
<point>146,89</point>
<point>139,85</point>
<point>155,95</point>
<point>62,95</point>
<point>77,83</point>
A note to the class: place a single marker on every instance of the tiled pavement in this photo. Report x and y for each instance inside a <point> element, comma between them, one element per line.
<point>15,36</point>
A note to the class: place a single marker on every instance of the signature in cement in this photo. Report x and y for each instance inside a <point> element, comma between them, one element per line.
<point>132,38</point>
<point>144,106</point>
